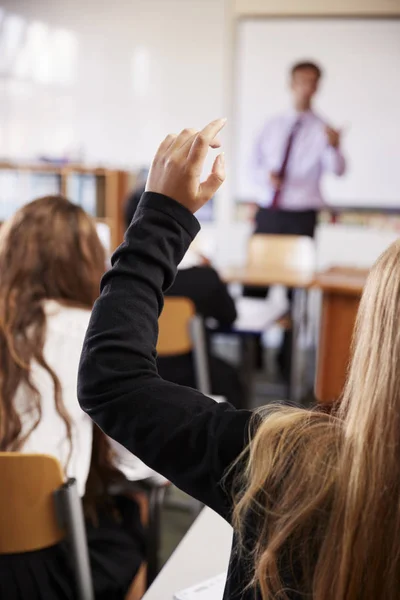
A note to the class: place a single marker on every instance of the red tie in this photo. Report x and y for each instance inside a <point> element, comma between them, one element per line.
<point>282,171</point>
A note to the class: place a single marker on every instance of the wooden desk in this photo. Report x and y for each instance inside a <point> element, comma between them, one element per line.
<point>202,554</point>
<point>300,280</point>
<point>341,293</point>
<point>265,277</point>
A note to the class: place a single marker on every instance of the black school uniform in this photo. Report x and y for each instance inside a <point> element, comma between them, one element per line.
<point>177,431</point>
<point>211,298</point>
<point>210,295</point>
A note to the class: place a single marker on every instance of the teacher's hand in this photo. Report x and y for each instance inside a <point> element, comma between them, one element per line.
<point>178,164</point>
<point>275,180</point>
<point>333,136</point>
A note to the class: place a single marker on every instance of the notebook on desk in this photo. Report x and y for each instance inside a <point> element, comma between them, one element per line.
<point>212,589</point>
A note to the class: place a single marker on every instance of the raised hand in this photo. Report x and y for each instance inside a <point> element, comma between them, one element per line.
<point>178,164</point>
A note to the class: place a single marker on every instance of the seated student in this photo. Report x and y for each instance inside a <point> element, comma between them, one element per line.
<point>51,262</point>
<point>313,498</point>
<point>200,282</point>
<point>133,199</point>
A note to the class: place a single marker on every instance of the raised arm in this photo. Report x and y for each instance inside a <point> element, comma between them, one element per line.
<point>177,431</point>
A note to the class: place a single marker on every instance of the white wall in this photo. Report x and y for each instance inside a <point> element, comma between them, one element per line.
<point>138,69</point>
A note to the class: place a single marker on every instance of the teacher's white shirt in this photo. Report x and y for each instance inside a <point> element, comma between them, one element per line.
<point>310,157</point>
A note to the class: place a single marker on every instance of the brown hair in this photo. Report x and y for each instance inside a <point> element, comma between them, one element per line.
<point>48,250</point>
<point>324,489</point>
<point>306,66</point>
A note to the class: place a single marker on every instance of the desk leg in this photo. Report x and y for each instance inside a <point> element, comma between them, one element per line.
<point>299,319</point>
<point>247,361</point>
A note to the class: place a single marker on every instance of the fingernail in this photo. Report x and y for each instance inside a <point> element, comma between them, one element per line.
<point>221,159</point>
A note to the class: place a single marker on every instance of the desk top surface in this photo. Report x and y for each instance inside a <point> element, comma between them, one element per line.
<point>339,279</point>
<point>263,277</point>
<point>342,280</point>
<point>202,554</point>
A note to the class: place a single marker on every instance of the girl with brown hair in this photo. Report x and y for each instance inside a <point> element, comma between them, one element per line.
<point>313,498</point>
<point>51,262</point>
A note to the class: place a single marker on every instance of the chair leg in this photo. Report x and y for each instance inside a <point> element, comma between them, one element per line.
<point>154,533</point>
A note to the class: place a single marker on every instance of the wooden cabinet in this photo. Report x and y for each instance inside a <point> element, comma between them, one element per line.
<point>100,192</point>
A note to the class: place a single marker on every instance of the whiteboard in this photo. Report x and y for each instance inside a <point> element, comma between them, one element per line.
<point>360,93</point>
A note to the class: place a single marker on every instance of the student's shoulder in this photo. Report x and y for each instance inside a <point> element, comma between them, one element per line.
<point>199,277</point>
<point>72,321</point>
<point>206,272</point>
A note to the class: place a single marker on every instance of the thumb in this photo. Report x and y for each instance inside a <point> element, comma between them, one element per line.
<point>214,181</point>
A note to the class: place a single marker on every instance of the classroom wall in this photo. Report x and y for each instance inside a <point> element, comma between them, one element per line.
<point>128,73</point>
<point>136,70</point>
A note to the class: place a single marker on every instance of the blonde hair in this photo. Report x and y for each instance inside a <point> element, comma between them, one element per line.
<point>320,494</point>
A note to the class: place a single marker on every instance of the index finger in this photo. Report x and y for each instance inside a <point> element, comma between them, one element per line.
<point>201,143</point>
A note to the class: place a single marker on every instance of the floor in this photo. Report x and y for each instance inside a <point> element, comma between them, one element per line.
<point>175,522</point>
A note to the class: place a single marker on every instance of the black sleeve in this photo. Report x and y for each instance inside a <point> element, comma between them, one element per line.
<point>222,305</point>
<point>177,431</point>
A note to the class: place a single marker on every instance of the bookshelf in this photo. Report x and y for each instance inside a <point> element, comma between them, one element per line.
<point>100,192</point>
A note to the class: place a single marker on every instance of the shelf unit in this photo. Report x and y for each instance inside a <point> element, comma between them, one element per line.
<point>100,192</point>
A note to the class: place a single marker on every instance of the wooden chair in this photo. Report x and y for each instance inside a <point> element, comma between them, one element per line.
<point>182,331</point>
<point>281,252</point>
<point>292,252</point>
<point>38,509</point>
<point>285,256</point>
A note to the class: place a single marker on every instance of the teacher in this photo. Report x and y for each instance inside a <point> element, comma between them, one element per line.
<point>292,153</point>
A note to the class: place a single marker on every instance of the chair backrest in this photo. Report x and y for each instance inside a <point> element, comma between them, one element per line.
<point>290,252</point>
<point>182,331</point>
<point>38,509</point>
<point>174,336</point>
<point>28,519</point>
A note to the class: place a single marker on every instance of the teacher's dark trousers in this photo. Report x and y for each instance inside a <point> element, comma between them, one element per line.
<point>286,222</point>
